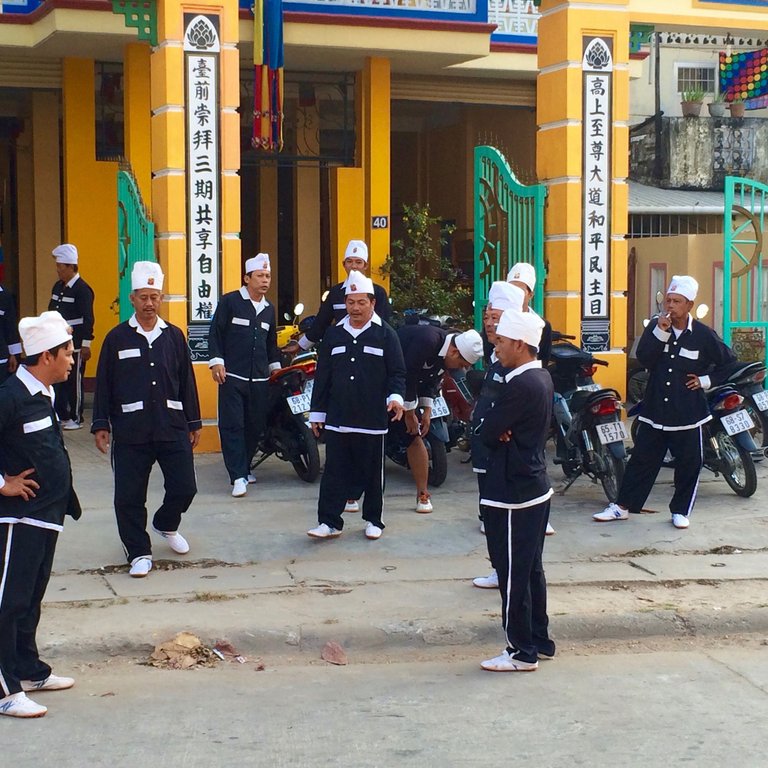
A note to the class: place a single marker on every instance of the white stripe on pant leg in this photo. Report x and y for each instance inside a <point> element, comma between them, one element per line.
<point>696,487</point>
<point>79,385</point>
<point>382,477</point>
<point>508,576</point>
<point>3,685</point>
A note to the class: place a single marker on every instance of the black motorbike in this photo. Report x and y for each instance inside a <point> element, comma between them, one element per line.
<point>725,439</point>
<point>287,434</point>
<point>589,434</point>
<point>748,379</point>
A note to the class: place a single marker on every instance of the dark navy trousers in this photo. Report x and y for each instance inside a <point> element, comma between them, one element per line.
<point>69,393</point>
<point>243,408</point>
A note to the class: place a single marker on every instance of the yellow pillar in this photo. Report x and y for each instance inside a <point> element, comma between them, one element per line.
<point>138,125</point>
<point>169,169</point>
<point>561,162</point>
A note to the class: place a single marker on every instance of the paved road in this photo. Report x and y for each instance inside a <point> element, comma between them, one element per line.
<point>680,706</point>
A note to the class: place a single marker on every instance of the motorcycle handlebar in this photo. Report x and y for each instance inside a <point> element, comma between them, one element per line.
<point>557,336</point>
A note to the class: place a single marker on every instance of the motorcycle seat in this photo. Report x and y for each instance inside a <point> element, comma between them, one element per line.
<point>583,397</point>
<point>744,369</point>
<point>567,352</point>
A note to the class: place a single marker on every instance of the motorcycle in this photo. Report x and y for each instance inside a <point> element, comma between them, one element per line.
<point>724,448</point>
<point>748,380</point>
<point>461,402</point>
<point>287,434</point>
<point>589,433</point>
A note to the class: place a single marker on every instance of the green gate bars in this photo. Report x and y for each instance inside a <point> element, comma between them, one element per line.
<point>509,226</point>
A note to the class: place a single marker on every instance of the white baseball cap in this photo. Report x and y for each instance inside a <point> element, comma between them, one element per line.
<point>259,262</point>
<point>521,326</point>
<point>506,296</point>
<point>147,274</point>
<point>66,253</point>
<point>524,273</point>
<point>356,249</point>
<point>470,345</point>
<point>684,285</point>
<point>357,282</point>
<point>44,332</point>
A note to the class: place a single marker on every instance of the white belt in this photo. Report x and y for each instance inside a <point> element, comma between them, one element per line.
<point>76,321</point>
<point>243,378</point>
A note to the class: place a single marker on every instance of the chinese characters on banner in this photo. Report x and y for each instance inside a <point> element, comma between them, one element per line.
<point>597,66</point>
<point>201,46</point>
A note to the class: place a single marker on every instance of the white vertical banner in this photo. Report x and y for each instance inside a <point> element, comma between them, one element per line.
<point>201,55</point>
<point>597,66</point>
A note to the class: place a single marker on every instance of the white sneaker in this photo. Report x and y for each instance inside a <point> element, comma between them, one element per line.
<point>351,506</point>
<point>424,503</point>
<point>175,541</point>
<point>508,663</point>
<point>482,527</point>
<point>251,479</point>
<point>491,581</point>
<point>680,521</point>
<point>140,567</point>
<point>239,487</point>
<point>323,531</point>
<point>550,531</point>
<point>372,531</point>
<point>70,424</point>
<point>610,513</point>
<point>51,683</point>
<point>20,705</point>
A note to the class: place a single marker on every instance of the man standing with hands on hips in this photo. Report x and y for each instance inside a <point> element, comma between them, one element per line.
<point>516,492</point>
<point>243,346</point>
<point>677,351</point>
<point>72,297</point>
<point>359,387</point>
<point>35,494</point>
<point>147,395</point>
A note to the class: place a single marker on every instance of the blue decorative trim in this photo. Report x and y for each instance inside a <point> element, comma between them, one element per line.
<point>515,39</point>
<point>480,15</point>
<point>19,6</point>
<point>763,3</point>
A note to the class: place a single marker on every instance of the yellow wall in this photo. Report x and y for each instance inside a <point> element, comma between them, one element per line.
<point>90,196</point>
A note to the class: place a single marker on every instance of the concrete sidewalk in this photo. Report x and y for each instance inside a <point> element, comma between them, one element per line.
<point>254,577</point>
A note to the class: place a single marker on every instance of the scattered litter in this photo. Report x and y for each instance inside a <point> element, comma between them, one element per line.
<point>333,653</point>
<point>184,651</point>
<point>225,650</point>
<point>260,666</point>
<point>718,565</point>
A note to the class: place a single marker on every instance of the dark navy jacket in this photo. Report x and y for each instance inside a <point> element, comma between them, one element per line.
<point>424,364</point>
<point>668,404</point>
<point>356,377</point>
<point>74,302</point>
<point>242,339</point>
<point>145,392</point>
<point>517,470</point>
<point>30,437</point>
<point>334,310</point>
<point>9,329</point>
<point>493,384</point>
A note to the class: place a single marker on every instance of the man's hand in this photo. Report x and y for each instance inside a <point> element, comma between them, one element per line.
<point>85,354</point>
<point>664,323</point>
<point>219,373</point>
<point>693,381</point>
<point>411,423</point>
<point>426,420</point>
<point>505,437</point>
<point>291,348</point>
<point>396,409</point>
<point>194,437</point>
<point>316,427</point>
<point>13,363</point>
<point>20,485</point>
<point>101,438</point>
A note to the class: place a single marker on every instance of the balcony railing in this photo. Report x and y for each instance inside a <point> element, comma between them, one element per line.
<point>517,20</point>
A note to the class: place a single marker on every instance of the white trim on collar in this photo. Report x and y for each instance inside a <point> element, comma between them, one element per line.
<point>347,326</point>
<point>134,323</point>
<point>73,280</point>
<point>32,383</point>
<point>522,369</point>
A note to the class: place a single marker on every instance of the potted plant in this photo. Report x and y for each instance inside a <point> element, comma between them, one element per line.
<point>717,106</point>
<point>691,102</point>
<point>737,107</point>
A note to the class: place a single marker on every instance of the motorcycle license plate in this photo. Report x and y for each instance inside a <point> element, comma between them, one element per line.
<point>439,407</point>
<point>761,400</point>
<point>589,388</point>
<point>612,432</point>
<point>299,403</point>
<point>739,421</point>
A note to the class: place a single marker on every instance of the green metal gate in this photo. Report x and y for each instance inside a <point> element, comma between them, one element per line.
<point>745,282</point>
<point>509,226</point>
<point>135,238</point>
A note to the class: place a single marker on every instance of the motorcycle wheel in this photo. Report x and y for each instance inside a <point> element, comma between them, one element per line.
<point>438,460</point>
<point>307,467</point>
<point>737,466</point>
<point>636,385</point>
<point>610,471</point>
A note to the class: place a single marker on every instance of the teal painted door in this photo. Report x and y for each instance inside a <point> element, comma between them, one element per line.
<point>135,236</point>
<point>745,282</point>
<point>509,226</point>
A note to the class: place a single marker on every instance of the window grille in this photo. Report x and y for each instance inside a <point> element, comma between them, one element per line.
<point>699,77</point>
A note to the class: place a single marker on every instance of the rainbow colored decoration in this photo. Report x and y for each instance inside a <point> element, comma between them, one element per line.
<point>268,75</point>
<point>744,77</point>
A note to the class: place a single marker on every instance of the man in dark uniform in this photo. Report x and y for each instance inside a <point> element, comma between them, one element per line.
<point>35,494</point>
<point>333,308</point>
<point>517,492</point>
<point>73,298</point>
<point>677,351</point>
<point>523,275</point>
<point>147,395</point>
<point>243,346</point>
<point>359,383</point>
<point>428,351</point>
<point>10,346</point>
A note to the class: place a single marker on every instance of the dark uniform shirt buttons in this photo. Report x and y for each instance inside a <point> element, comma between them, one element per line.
<point>351,378</point>
<point>666,399</point>
<point>351,359</point>
<point>152,364</point>
<point>154,383</point>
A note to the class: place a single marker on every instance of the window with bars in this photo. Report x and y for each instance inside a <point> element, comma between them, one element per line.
<point>669,225</point>
<point>696,77</point>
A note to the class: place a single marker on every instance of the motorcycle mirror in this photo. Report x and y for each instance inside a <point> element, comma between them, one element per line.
<point>287,316</point>
<point>298,309</point>
<point>702,311</point>
<point>324,296</point>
